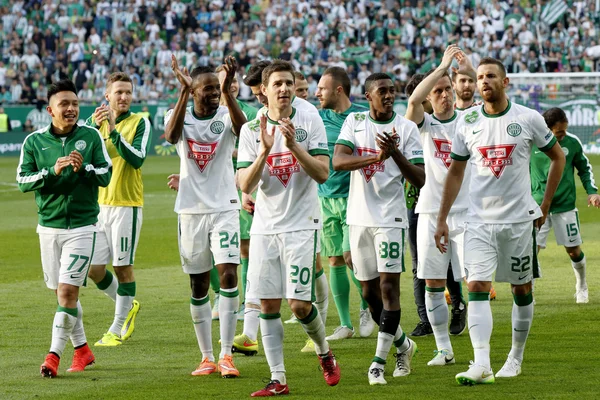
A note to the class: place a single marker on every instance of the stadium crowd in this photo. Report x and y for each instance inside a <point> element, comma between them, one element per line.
<point>44,41</point>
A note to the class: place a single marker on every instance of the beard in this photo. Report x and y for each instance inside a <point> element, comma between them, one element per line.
<point>465,95</point>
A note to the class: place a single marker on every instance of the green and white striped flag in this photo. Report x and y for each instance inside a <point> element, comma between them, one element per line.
<point>553,11</point>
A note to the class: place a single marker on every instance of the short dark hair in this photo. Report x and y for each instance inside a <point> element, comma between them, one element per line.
<point>378,76</point>
<point>299,76</point>
<point>254,75</point>
<point>64,85</point>
<point>277,66</point>
<point>493,61</point>
<point>554,116</point>
<point>196,72</point>
<point>118,77</point>
<point>412,84</point>
<point>340,77</point>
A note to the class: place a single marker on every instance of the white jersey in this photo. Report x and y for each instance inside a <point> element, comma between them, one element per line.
<point>436,137</point>
<point>376,196</point>
<point>298,103</point>
<point>498,148</point>
<point>287,196</point>
<point>206,183</point>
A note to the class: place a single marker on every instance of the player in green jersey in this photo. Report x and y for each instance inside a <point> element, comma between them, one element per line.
<point>333,92</point>
<point>563,214</point>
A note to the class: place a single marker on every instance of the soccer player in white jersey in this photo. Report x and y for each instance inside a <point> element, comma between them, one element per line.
<point>437,132</point>
<point>247,342</point>
<point>207,202</point>
<point>284,153</point>
<point>494,141</point>
<point>381,149</point>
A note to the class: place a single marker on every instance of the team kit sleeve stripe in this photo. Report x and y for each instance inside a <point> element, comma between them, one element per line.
<point>145,132</point>
<point>243,164</point>
<point>584,169</point>
<point>458,157</point>
<point>318,152</point>
<point>417,161</point>
<point>549,145</point>
<point>346,143</point>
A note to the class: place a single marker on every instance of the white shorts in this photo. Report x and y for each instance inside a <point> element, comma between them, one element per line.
<point>282,266</point>
<point>206,237</point>
<point>376,250</point>
<point>118,235</point>
<point>507,249</point>
<point>566,229</point>
<point>433,264</point>
<point>66,256</point>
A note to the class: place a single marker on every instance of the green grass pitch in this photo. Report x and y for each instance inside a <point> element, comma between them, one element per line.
<point>560,360</point>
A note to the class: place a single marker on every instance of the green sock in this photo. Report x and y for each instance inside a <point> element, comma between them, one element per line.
<point>244,275</point>
<point>363,303</point>
<point>340,287</point>
<point>215,282</point>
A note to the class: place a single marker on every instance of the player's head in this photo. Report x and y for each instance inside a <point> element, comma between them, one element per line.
<point>441,95</point>
<point>464,86</point>
<point>380,92</point>
<point>253,79</point>
<point>412,84</point>
<point>63,104</point>
<point>491,80</point>
<point>119,92</point>
<point>235,85</point>
<point>278,84</point>
<point>301,85</point>
<point>557,122</point>
<point>206,90</point>
<point>333,86</point>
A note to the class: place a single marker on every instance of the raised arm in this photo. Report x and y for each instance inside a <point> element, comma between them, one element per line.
<point>235,112</point>
<point>174,127</point>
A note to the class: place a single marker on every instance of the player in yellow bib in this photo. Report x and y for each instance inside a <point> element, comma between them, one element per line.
<point>127,137</point>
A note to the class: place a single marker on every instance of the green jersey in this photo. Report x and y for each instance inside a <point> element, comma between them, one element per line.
<point>564,198</point>
<point>250,113</point>
<point>69,200</point>
<point>338,183</point>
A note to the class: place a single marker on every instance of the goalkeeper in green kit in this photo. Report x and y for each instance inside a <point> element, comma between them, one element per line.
<point>563,216</point>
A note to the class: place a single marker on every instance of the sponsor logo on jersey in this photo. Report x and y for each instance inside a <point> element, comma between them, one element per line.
<point>548,136</point>
<point>443,149</point>
<point>471,117</point>
<point>497,157</point>
<point>282,166</point>
<point>514,129</point>
<point>301,135</point>
<point>201,153</point>
<point>217,127</point>
<point>370,170</point>
<point>322,145</point>
<point>80,145</point>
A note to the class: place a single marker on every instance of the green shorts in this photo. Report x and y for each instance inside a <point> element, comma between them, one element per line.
<point>245,221</point>
<point>335,240</point>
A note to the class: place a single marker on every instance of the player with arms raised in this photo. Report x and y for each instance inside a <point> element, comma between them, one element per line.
<point>495,140</point>
<point>284,153</point>
<point>207,202</point>
<point>381,149</point>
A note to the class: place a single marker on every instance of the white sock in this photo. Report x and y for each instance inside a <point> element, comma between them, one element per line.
<point>384,344</point>
<point>251,318</point>
<point>480,330</point>
<point>579,270</point>
<point>64,322</point>
<point>111,291</point>
<point>272,339</point>
<point>322,295</point>
<point>522,317</point>
<point>437,313</point>
<point>315,328</point>
<point>122,307</point>
<point>228,306</point>
<point>202,319</point>
<point>78,334</point>
<point>401,342</point>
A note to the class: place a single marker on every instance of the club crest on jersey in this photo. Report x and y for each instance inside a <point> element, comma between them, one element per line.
<point>201,153</point>
<point>471,117</point>
<point>497,157</point>
<point>80,145</point>
<point>370,170</point>
<point>443,149</point>
<point>217,127</point>
<point>254,125</point>
<point>301,135</point>
<point>282,166</point>
<point>359,117</point>
<point>514,129</point>
<point>565,150</point>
